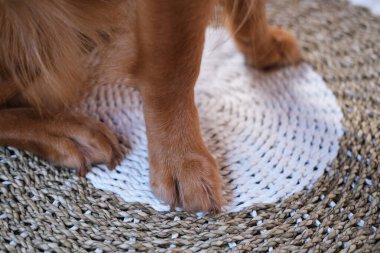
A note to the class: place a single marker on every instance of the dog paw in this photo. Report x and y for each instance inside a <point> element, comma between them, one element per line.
<point>190,181</point>
<point>77,141</point>
<point>280,49</point>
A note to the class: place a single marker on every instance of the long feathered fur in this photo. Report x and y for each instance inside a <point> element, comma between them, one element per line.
<point>43,43</point>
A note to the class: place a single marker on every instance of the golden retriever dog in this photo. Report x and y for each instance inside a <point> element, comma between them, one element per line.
<point>44,71</point>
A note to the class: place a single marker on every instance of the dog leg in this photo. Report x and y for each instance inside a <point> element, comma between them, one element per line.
<point>68,139</point>
<point>263,45</point>
<point>170,39</point>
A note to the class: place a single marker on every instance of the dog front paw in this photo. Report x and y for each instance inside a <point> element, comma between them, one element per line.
<point>190,181</point>
<point>281,48</point>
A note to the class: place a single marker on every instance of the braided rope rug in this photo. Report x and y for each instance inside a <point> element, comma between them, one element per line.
<point>44,208</point>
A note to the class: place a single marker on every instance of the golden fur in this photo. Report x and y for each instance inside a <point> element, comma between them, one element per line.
<point>44,52</point>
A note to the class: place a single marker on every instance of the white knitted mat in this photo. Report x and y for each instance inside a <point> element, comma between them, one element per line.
<point>272,133</point>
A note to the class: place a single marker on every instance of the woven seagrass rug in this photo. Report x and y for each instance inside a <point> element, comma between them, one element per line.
<point>298,150</point>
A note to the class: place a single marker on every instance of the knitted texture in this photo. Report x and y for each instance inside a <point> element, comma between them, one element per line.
<point>44,208</point>
<point>272,133</point>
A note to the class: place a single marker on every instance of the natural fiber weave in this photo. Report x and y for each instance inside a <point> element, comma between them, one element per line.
<point>45,208</point>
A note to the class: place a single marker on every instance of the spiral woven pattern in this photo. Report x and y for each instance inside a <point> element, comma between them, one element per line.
<point>43,208</point>
<point>272,133</point>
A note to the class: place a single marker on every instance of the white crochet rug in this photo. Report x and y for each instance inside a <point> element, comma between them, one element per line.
<point>272,133</point>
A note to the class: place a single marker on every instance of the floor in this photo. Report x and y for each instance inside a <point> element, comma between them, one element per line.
<point>372,5</point>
